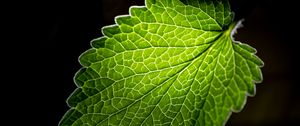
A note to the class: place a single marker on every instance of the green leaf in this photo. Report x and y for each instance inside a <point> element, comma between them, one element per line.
<point>172,62</point>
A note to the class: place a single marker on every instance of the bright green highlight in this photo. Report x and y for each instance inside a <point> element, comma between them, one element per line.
<point>172,62</point>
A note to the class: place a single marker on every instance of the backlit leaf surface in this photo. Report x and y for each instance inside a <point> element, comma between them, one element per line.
<point>172,62</point>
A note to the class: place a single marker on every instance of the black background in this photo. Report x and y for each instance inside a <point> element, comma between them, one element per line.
<point>48,36</point>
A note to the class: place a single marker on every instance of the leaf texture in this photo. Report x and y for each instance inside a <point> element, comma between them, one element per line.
<point>172,62</point>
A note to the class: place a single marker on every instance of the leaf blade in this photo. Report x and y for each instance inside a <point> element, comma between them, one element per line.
<point>155,67</point>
